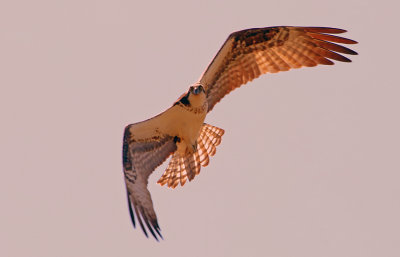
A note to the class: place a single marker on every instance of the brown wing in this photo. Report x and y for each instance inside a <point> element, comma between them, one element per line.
<point>247,54</point>
<point>140,156</point>
<point>184,167</point>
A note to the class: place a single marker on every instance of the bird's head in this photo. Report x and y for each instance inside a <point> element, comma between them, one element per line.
<point>196,89</point>
<point>196,95</point>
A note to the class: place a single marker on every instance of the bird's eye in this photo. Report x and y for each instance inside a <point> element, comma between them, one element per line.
<point>197,90</point>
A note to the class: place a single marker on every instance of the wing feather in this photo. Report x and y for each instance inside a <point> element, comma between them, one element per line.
<point>142,152</point>
<point>247,54</point>
<point>334,47</point>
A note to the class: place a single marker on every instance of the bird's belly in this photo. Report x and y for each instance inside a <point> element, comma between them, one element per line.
<point>189,127</point>
<point>186,125</point>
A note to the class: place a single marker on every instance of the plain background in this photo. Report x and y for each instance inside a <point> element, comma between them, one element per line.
<point>309,164</point>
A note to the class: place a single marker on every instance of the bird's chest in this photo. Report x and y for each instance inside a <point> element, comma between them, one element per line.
<point>185,123</point>
<point>190,123</point>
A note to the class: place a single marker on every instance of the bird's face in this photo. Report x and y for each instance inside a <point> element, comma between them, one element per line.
<point>196,89</point>
<point>197,95</point>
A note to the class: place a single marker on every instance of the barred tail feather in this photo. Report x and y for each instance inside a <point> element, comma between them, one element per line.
<point>204,159</point>
<point>186,167</point>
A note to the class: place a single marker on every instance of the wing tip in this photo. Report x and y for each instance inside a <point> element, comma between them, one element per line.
<point>151,226</point>
<point>131,212</point>
<point>351,41</point>
<point>329,30</point>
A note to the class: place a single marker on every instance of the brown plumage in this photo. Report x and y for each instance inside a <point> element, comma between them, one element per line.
<point>247,54</point>
<point>181,132</point>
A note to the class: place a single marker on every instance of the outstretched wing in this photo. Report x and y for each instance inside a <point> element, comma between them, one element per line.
<point>183,167</point>
<point>145,147</point>
<point>247,54</point>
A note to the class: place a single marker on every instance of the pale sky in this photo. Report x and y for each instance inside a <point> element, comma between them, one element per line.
<point>309,165</point>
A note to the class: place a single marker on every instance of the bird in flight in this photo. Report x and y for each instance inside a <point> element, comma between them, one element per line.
<point>180,131</point>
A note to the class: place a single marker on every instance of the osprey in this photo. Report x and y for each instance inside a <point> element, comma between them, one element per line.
<point>181,132</point>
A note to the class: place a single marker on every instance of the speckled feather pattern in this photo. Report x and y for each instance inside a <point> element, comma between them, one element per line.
<point>181,132</point>
<point>139,161</point>
<point>247,54</point>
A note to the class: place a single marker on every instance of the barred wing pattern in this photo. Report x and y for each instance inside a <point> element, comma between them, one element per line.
<point>244,56</point>
<point>185,167</point>
<point>247,54</point>
<point>140,158</point>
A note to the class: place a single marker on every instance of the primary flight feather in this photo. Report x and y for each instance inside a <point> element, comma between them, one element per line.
<point>181,132</point>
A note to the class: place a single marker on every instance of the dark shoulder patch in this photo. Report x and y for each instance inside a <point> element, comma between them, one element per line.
<point>255,36</point>
<point>184,100</point>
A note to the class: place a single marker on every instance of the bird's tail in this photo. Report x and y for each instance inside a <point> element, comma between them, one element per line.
<point>183,167</point>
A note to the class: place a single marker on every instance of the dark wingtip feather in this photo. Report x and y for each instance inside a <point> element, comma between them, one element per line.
<point>140,221</point>
<point>350,41</point>
<point>334,47</point>
<point>325,30</point>
<point>342,58</point>
<point>150,229</point>
<point>157,229</point>
<point>131,212</point>
<point>140,216</point>
<point>159,233</point>
<point>331,38</point>
<point>154,228</point>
